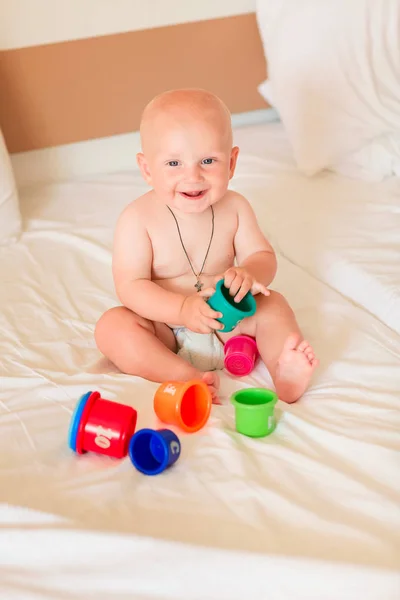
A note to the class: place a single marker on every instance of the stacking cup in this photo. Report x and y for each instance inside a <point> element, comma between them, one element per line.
<point>101,426</point>
<point>232,312</point>
<point>153,451</point>
<point>184,404</point>
<point>240,355</point>
<point>254,411</point>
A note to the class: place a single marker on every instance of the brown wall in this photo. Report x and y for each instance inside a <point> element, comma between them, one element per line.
<point>83,89</point>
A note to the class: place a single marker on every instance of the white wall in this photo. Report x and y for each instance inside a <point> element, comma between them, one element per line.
<point>34,22</point>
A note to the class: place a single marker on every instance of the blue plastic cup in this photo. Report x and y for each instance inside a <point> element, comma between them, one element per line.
<point>152,451</point>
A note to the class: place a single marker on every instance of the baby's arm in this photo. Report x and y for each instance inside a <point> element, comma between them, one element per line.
<point>253,251</point>
<point>131,265</point>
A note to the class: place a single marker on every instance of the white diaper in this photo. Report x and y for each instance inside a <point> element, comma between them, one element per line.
<point>203,350</point>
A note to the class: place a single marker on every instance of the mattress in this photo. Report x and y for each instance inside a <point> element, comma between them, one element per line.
<point>311,511</point>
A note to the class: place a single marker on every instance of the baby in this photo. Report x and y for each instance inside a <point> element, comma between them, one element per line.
<point>176,241</point>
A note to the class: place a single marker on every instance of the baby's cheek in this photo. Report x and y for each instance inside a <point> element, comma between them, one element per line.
<point>222,185</point>
<point>222,177</point>
<point>166,184</point>
<point>171,182</point>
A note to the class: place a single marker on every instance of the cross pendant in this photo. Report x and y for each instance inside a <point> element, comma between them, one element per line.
<point>198,285</point>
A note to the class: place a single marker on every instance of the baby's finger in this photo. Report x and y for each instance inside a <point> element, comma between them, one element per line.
<point>236,285</point>
<point>229,277</point>
<point>259,288</point>
<point>207,293</point>
<point>217,278</point>
<point>213,324</point>
<point>209,312</point>
<point>245,288</point>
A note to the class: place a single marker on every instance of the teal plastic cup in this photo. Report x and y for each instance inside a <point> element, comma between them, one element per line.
<point>232,312</point>
<point>255,411</point>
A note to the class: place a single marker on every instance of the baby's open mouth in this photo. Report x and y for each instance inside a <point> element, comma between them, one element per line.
<point>193,194</point>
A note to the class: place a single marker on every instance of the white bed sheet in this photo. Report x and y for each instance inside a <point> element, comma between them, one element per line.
<point>345,232</point>
<point>309,512</point>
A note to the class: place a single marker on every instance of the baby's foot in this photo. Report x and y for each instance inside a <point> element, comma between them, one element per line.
<point>295,366</point>
<point>211,378</point>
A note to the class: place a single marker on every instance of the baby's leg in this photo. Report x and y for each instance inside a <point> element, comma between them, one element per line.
<point>139,347</point>
<point>288,357</point>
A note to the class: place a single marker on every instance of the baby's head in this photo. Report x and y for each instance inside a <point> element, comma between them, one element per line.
<point>187,154</point>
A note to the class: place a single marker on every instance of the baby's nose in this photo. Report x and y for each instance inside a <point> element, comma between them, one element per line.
<point>193,173</point>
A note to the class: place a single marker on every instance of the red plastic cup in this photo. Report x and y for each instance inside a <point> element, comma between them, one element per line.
<point>240,355</point>
<point>102,426</point>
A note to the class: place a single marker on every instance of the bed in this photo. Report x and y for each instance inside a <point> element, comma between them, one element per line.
<point>311,511</point>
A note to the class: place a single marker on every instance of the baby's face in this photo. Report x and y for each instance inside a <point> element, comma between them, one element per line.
<point>189,163</point>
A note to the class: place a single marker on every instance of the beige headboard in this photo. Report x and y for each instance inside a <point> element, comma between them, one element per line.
<point>63,92</point>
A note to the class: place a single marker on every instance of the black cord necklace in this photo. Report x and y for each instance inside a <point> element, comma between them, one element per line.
<point>198,285</point>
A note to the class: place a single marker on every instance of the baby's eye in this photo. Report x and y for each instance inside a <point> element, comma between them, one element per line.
<point>207,161</point>
<point>173,163</point>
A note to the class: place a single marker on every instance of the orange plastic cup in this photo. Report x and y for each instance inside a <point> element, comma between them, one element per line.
<point>186,404</point>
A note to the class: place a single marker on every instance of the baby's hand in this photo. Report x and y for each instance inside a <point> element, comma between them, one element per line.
<point>239,281</point>
<point>198,316</point>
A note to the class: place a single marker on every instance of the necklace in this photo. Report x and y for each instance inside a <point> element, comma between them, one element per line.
<point>198,285</point>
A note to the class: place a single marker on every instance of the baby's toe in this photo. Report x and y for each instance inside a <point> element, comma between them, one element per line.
<point>302,346</point>
<point>309,353</point>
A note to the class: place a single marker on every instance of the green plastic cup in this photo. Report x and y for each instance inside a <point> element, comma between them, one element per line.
<point>232,312</point>
<point>254,411</point>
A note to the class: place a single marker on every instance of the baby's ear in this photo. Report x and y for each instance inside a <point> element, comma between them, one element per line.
<point>232,164</point>
<point>144,167</point>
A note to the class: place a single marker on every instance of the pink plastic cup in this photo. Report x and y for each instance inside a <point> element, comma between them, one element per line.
<point>240,355</point>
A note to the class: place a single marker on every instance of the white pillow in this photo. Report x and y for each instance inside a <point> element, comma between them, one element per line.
<point>10,216</point>
<point>334,78</point>
<point>375,161</point>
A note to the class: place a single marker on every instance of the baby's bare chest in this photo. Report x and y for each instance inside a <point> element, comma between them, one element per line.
<point>179,249</point>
